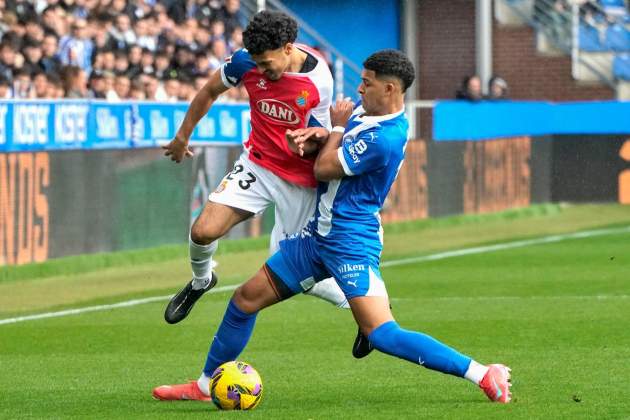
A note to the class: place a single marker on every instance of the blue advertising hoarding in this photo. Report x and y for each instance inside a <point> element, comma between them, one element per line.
<point>82,124</point>
<point>466,120</point>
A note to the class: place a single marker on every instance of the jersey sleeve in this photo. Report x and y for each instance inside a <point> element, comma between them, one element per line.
<point>320,113</point>
<point>235,67</point>
<point>364,153</point>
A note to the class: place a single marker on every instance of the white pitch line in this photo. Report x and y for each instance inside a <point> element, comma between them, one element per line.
<point>124,304</point>
<point>506,245</point>
<point>390,263</point>
<point>508,298</point>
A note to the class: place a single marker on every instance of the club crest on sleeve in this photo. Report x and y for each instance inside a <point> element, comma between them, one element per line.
<point>221,187</point>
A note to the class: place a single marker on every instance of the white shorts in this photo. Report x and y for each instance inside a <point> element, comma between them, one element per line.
<point>252,188</point>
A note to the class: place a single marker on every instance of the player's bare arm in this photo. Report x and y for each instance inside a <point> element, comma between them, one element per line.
<point>178,148</point>
<point>305,141</point>
<point>327,166</point>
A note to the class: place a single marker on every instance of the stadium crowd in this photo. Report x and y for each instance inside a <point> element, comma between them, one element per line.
<point>158,50</point>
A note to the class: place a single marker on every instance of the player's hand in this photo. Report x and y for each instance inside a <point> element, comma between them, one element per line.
<point>340,113</point>
<point>177,149</point>
<point>304,141</point>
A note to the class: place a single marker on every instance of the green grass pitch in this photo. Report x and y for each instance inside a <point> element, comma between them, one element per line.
<point>557,313</point>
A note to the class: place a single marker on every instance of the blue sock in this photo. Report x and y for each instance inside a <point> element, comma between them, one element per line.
<point>418,348</point>
<point>231,337</point>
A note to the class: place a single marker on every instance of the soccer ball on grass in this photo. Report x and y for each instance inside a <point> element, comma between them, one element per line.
<point>236,386</point>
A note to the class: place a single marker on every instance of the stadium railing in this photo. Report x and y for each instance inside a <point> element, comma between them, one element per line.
<point>581,31</point>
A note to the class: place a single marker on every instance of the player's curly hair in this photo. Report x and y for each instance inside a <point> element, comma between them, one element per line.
<point>269,31</point>
<point>392,63</point>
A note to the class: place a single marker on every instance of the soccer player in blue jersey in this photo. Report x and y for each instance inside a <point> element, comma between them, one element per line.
<point>355,169</point>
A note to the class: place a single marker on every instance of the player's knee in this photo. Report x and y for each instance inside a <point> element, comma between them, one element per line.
<point>245,299</point>
<point>201,234</point>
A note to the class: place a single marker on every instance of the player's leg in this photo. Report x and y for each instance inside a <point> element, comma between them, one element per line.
<point>214,221</point>
<point>291,218</point>
<point>276,281</point>
<point>295,206</point>
<point>231,337</point>
<point>374,318</point>
<point>240,195</point>
<point>283,276</point>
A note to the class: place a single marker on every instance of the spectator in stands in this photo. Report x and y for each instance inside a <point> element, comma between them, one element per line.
<point>186,90</point>
<point>34,30</point>
<point>219,50</point>
<point>50,61</point>
<point>231,15</point>
<point>176,10</point>
<point>55,87</point>
<point>122,7</point>
<point>162,64</point>
<point>40,85</point>
<point>110,79</point>
<point>74,81</point>
<point>135,58</point>
<point>76,48</point>
<point>236,40</point>
<point>184,60</point>
<point>202,39</point>
<point>22,84</point>
<point>122,62</point>
<point>202,64</point>
<point>136,92</point>
<point>47,35</point>
<point>146,62</point>
<point>121,32</point>
<point>53,20</point>
<point>171,86</point>
<point>186,33</point>
<point>97,85</point>
<point>5,88</point>
<point>470,89</point>
<point>76,8</point>
<point>7,60</point>
<point>217,30</point>
<point>145,38</point>
<point>22,8</point>
<point>15,32</point>
<point>497,88</point>
<point>32,57</point>
<point>102,39</point>
<point>109,60</point>
<point>203,10</point>
<point>122,87</point>
<point>213,61</point>
<point>152,89</point>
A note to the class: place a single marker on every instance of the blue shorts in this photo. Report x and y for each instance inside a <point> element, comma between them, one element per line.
<point>302,262</point>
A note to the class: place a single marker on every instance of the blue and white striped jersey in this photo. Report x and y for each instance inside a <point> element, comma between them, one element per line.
<point>371,153</point>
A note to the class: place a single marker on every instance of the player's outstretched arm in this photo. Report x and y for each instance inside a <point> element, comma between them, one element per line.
<point>327,166</point>
<point>178,149</point>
